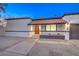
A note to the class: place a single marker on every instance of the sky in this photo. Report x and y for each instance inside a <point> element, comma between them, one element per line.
<point>40,10</point>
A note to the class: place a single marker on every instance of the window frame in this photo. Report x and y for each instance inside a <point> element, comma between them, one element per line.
<point>50,27</point>
<point>41,27</point>
<point>32,27</point>
<point>61,24</point>
<point>46,27</point>
<point>55,27</point>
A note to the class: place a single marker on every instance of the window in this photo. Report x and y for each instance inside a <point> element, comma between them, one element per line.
<point>53,27</point>
<point>50,27</point>
<point>32,27</point>
<point>39,27</point>
<point>43,27</point>
<point>60,27</point>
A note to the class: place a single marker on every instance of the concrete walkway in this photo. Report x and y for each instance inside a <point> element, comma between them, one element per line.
<point>21,48</point>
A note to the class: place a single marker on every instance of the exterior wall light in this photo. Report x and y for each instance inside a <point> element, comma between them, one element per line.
<point>67,26</point>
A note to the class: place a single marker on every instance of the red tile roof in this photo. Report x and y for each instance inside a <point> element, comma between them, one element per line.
<point>51,21</point>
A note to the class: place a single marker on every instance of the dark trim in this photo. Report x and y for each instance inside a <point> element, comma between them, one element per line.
<point>54,31</point>
<point>74,23</point>
<point>40,31</point>
<point>52,24</point>
<point>18,18</point>
<point>47,18</point>
<point>71,14</point>
<point>47,24</point>
<point>19,31</point>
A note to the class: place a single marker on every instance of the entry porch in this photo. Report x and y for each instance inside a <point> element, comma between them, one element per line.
<point>54,30</point>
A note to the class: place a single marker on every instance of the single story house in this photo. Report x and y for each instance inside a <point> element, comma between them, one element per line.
<point>65,27</point>
<point>51,28</point>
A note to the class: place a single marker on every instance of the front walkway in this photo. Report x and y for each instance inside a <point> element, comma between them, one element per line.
<point>15,46</point>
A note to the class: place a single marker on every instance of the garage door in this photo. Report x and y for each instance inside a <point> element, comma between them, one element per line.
<point>74,31</point>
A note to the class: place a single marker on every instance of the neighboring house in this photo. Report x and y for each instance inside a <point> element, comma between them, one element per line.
<point>18,27</point>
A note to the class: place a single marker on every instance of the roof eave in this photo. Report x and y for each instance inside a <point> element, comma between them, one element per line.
<point>47,23</point>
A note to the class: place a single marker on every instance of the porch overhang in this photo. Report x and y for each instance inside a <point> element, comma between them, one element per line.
<point>52,21</point>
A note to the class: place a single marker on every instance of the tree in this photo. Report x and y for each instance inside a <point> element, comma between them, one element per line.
<point>2,7</point>
<point>2,11</point>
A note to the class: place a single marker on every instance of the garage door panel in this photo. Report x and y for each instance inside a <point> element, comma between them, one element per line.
<point>74,31</point>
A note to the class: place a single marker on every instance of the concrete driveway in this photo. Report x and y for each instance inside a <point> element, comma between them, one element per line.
<point>55,48</point>
<point>15,46</point>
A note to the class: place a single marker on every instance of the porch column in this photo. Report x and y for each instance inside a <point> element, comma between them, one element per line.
<point>67,36</point>
<point>67,28</point>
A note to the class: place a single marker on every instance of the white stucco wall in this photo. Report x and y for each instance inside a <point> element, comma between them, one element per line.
<point>18,27</point>
<point>72,18</point>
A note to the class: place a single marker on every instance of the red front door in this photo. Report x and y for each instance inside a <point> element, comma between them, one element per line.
<point>36,29</point>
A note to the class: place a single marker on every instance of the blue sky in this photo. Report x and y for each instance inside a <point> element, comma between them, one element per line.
<point>43,10</point>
